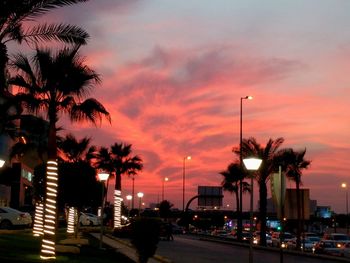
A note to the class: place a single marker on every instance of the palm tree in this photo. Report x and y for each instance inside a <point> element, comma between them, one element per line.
<point>13,27</point>
<point>294,162</point>
<point>54,85</point>
<point>118,161</point>
<point>268,153</point>
<point>77,156</point>
<point>232,177</point>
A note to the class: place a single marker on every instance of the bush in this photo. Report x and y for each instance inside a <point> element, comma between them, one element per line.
<point>145,237</point>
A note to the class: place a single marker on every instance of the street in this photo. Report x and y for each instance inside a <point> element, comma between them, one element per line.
<point>187,249</point>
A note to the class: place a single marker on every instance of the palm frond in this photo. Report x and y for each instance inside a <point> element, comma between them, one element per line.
<point>59,32</point>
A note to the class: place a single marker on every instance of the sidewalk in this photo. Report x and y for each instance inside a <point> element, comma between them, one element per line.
<point>124,247</point>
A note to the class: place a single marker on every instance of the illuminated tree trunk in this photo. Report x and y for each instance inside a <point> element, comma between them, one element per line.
<point>48,243</point>
<point>38,227</point>
<point>117,201</point>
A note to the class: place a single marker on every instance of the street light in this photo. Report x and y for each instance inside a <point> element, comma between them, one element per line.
<point>239,222</point>
<point>344,185</point>
<point>166,179</point>
<point>2,162</point>
<point>140,195</point>
<point>252,164</point>
<point>183,180</point>
<point>103,178</point>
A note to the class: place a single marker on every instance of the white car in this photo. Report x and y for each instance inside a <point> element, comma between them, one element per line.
<point>88,219</point>
<point>10,217</point>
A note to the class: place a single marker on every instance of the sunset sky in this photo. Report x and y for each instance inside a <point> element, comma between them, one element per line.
<point>174,71</point>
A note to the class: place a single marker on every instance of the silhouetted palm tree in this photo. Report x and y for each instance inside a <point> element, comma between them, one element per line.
<point>232,177</point>
<point>293,163</point>
<point>118,160</point>
<point>13,27</point>
<point>55,85</point>
<point>268,154</point>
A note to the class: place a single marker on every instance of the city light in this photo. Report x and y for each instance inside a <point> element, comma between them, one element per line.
<point>71,220</point>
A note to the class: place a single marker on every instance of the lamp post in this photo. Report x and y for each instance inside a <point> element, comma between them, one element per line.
<point>239,221</point>
<point>133,191</point>
<point>103,178</point>
<point>129,198</point>
<point>345,186</point>
<point>166,179</point>
<point>140,195</point>
<point>252,164</point>
<point>183,180</point>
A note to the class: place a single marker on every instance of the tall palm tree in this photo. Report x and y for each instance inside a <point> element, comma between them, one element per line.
<point>53,85</point>
<point>118,160</point>
<point>13,27</point>
<point>268,153</point>
<point>294,163</point>
<point>77,156</point>
<point>232,177</point>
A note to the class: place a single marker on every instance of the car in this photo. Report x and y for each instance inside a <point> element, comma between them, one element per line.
<point>10,218</point>
<point>88,219</point>
<point>276,238</point>
<point>328,247</point>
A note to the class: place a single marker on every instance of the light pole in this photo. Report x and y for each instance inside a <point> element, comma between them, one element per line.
<point>166,179</point>
<point>133,191</point>
<point>103,178</point>
<point>345,186</point>
<point>183,180</point>
<point>239,221</point>
<point>129,198</point>
<point>252,164</point>
<point>140,195</point>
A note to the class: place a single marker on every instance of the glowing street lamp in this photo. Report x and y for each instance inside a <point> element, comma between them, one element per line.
<point>129,198</point>
<point>166,179</point>
<point>252,164</point>
<point>2,162</point>
<point>344,185</point>
<point>140,195</point>
<point>103,177</point>
<point>239,223</point>
<point>183,180</point>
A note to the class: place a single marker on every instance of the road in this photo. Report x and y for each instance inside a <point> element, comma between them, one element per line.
<point>187,249</point>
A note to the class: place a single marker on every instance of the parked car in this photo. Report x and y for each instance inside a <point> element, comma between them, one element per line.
<point>88,219</point>
<point>10,218</point>
<point>346,250</point>
<point>276,239</point>
<point>307,243</point>
<point>328,247</point>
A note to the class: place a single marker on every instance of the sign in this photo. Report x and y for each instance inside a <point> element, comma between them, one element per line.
<point>210,196</point>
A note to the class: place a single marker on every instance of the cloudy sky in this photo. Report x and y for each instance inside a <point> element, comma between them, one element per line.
<point>174,72</point>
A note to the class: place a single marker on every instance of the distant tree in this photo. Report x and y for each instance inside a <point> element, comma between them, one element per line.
<point>118,160</point>
<point>165,209</point>
<point>268,153</point>
<point>232,177</point>
<point>294,163</point>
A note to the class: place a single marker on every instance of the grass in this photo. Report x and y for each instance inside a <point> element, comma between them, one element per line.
<point>21,246</point>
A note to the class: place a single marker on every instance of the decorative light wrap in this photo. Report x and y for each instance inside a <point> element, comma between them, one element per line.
<point>117,208</point>
<point>71,220</point>
<point>48,242</point>
<point>38,228</point>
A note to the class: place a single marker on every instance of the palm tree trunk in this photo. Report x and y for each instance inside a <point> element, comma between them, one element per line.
<point>297,182</point>
<point>50,210</point>
<point>117,200</point>
<point>263,205</point>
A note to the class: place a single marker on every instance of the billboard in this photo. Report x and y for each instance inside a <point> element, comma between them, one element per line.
<point>291,207</point>
<point>210,196</point>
